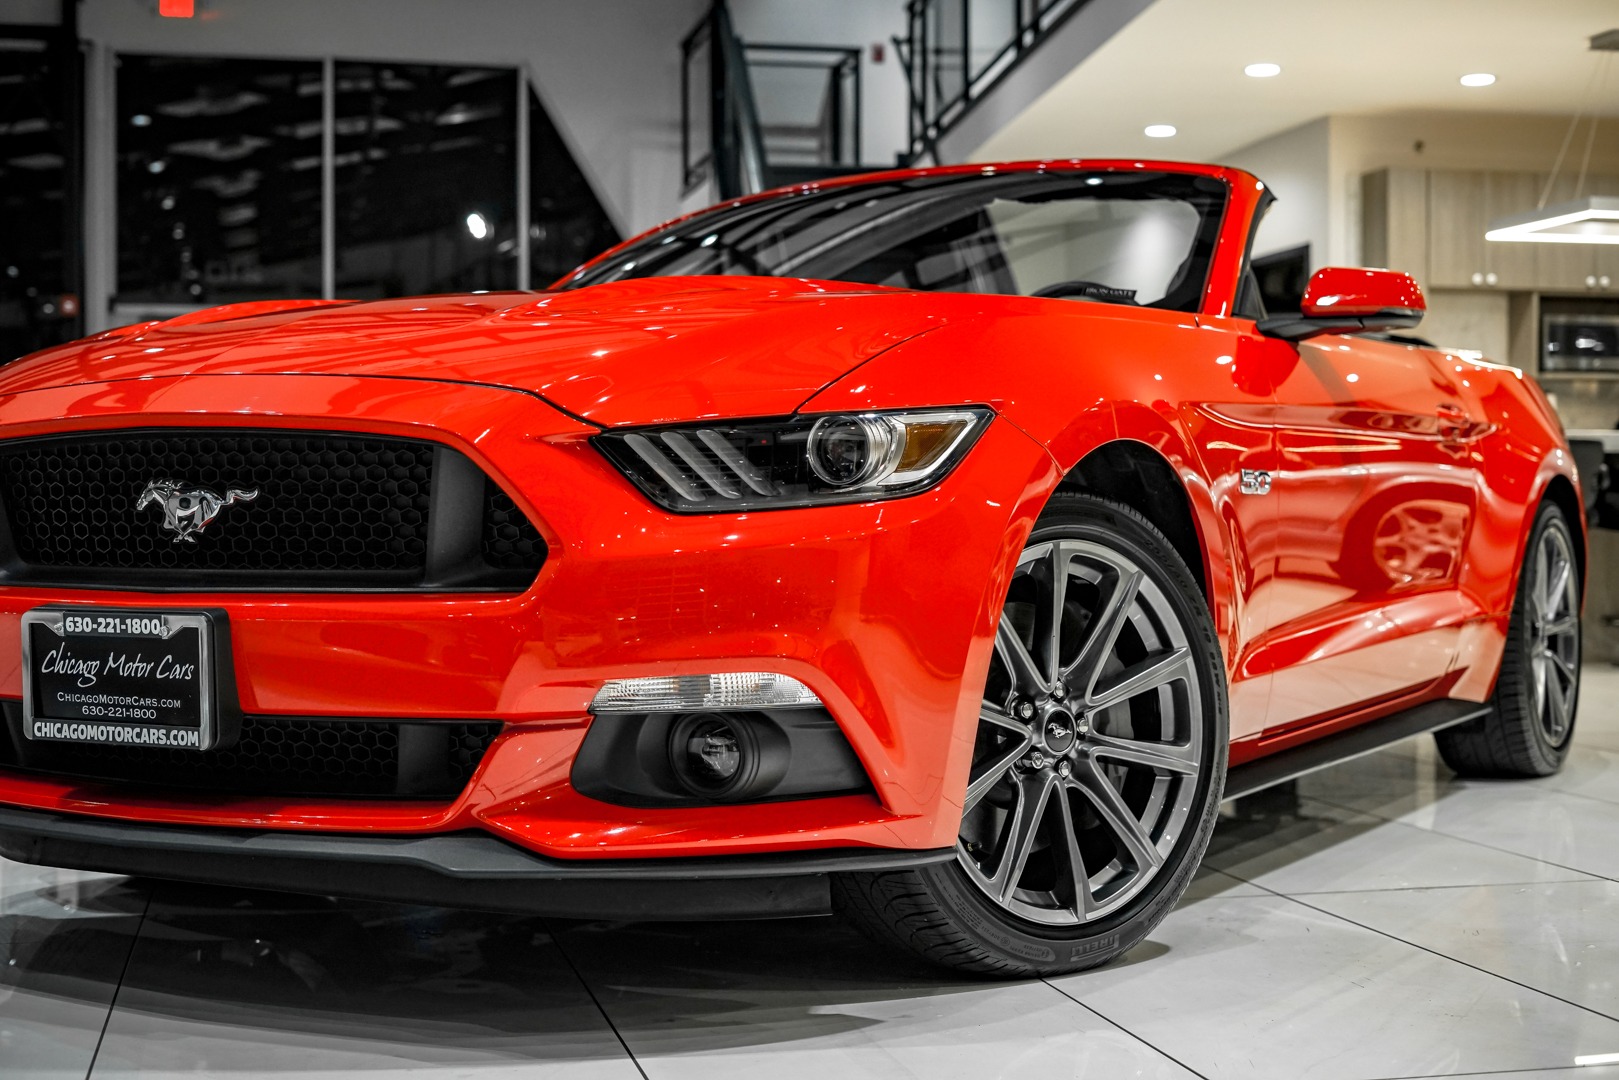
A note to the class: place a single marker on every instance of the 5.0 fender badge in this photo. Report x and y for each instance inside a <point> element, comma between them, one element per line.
<point>1255,482</point>
<point>189,510</point>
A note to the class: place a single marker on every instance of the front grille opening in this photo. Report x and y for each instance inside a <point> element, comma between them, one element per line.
<point>310,510</point>
<point>280,756</point>
<point>510,540</point>
<point>322,503</point>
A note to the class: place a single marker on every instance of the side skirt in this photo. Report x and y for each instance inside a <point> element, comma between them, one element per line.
<point>1285,765</point>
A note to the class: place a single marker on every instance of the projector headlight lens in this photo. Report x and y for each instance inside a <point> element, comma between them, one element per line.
<point>797,461</point>
<point>846,451</point>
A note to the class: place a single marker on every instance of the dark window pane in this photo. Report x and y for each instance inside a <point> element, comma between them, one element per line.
<point>38,257</point>
<point>567,224</point>
<point>218,179</point>
<point>1282,278</point>
<point>426,179</point>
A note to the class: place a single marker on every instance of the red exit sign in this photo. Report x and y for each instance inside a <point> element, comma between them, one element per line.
<point>177,9</point>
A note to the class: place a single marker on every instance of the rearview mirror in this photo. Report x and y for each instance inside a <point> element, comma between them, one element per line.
<point>1347,300</point>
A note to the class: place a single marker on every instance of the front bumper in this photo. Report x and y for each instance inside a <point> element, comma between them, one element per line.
<point>886,610</point>
<point>465,870</point>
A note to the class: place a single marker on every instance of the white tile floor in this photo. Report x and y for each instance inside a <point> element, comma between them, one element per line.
<point>1381,920</point>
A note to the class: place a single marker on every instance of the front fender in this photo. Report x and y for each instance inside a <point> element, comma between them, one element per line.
<point>1076,377</point>
<point>1217,531</point>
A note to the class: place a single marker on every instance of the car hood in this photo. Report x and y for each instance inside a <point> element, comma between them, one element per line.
<point>634,352</point>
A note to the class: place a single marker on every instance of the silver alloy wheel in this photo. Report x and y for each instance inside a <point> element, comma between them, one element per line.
<point>1554,651</point>
<point>1090,744</point>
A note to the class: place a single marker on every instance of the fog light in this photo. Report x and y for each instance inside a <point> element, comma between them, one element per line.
<point>691,693</point>
<point>712,750</point>
<point>713,756</point>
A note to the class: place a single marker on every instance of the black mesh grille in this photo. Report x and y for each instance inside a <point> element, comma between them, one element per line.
<point>510,540</point>
<point>276,755</point>
<point>323,502</point>
<point>309,510</point>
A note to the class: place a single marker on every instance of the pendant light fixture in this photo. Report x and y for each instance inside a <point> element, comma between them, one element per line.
<point>1585,219</point>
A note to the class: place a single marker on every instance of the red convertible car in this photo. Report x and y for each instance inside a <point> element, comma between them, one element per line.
<point>936,546</point>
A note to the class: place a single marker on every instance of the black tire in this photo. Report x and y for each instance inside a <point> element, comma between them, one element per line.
<point>1051,918</point>
<point>1530,724</point>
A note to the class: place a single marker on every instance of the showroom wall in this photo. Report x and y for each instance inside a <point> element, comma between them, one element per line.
<point>613,94</point>
<point>863,23</point>
<point>1297,166</point>
<point>33,12</point>
<point>609,97</point>
<point>1315,168</point>
<point>1054,60</point>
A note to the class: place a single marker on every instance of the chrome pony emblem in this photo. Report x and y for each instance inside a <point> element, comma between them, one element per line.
<point>189,510</point>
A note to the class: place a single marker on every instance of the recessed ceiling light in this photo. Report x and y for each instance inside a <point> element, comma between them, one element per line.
<point>1262,71</point>
<point>1159,131</point>
<point>1479,78</point>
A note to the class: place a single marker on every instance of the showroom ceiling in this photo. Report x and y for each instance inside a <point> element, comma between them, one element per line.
<point>1181,63</point>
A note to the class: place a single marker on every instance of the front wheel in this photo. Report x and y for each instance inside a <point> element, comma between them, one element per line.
<point>1098,765</point>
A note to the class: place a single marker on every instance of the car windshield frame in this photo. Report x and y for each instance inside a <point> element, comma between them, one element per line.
<point>849,224</point>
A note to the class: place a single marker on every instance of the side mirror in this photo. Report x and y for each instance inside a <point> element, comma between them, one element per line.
<point>1347,300</point>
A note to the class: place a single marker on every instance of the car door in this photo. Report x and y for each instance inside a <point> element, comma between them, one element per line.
<point>1236,445</point>
<point>1376,494</point>
<point>1229,412</point>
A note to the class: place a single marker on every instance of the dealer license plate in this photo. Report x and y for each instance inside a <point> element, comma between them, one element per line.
<point>119,677</point>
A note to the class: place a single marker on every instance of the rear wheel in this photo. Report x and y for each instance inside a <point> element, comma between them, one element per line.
<point>1098,764</point>
<point>1531,719</point>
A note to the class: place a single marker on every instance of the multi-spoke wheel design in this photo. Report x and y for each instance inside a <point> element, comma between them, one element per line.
<point>1090,741</point>
<point>1097,761</point>
<point>1554,658</point>
<point>1531,719</point>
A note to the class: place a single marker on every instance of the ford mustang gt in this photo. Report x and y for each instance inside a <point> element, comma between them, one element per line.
<point>938,546</point>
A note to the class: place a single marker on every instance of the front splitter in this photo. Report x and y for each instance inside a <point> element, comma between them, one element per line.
<point>465,869</point>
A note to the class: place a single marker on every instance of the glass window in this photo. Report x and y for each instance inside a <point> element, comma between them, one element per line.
<point>218,179</point>
<point>1137,237</point>
<point>38,201</point>
<point>1135,245</point>
<point>426,179</point>
<point>220,182</point>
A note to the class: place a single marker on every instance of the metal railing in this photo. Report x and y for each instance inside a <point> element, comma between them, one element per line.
<point>719,124</point>
<point>756,115</point>
<point>808,103</point>
<point>956,51</point>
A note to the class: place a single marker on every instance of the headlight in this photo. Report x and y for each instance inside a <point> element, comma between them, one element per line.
<point>797,461</point>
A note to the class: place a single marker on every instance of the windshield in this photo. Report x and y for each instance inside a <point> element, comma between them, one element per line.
<point>1119,237</point>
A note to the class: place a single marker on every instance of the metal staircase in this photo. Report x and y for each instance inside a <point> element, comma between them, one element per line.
<point>756,116</point>
<point>955,52</point>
